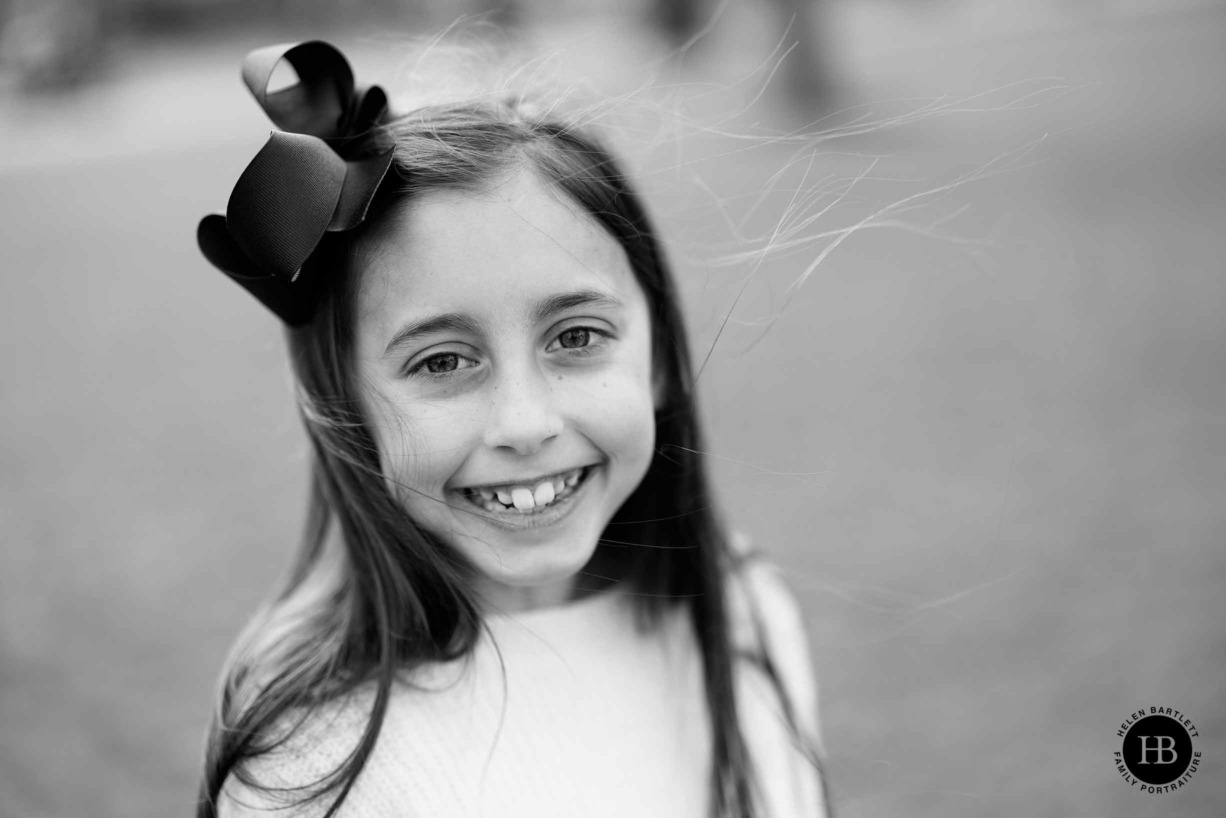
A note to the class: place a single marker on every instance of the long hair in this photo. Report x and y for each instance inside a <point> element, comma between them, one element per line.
<point>372,595</point>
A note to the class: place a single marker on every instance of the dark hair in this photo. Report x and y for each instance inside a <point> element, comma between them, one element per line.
<point>392,597</point>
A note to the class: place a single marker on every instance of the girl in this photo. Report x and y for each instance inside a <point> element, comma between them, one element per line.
<point>513,595</point>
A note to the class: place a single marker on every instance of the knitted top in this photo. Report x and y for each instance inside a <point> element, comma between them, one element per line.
<point>567,711</point>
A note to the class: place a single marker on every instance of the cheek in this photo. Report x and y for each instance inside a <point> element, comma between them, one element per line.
<point>420,444</point>
<point>617,410</point>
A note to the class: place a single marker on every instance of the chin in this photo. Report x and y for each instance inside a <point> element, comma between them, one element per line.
<point>547,570</point>
<point>545,567</point>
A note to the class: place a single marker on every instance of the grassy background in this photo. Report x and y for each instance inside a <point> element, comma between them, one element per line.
<point>995,472</point>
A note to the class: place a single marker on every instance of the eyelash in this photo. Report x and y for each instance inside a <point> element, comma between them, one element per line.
<point>600,338</point>
<point>419,370</point>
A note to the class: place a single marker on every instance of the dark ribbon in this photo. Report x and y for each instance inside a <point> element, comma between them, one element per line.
<point>304,183</point>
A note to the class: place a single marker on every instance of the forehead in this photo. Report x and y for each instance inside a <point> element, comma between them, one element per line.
<point>485,253</point>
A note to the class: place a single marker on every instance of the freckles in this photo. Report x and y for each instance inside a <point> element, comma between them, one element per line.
<point>620,402</point>
<point>423,415</point>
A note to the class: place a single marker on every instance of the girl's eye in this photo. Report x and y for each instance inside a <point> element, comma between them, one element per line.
<point>444,363</point>
<point>575,338</point>
<point>579,341</point>
<point>439,364</point>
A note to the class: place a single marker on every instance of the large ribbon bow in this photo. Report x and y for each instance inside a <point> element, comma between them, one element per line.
<point>304,183</point>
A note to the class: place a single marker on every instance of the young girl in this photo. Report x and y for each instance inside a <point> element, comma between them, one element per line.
<point>514,596</point>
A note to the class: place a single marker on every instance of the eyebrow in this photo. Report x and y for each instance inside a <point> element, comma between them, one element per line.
<point>463,324</point>
<point>448,322</point>
<point>554,304</point>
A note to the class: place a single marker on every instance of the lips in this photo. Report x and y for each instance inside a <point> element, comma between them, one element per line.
<point>527,497</point>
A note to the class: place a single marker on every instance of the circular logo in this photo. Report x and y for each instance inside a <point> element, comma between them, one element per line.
<point>1157,750</point>
<point>1157,754</point>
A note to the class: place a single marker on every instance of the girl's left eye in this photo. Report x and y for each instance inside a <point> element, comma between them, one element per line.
<point>442,364</point>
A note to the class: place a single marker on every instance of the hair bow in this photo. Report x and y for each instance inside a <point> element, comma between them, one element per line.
<point>304,183</point>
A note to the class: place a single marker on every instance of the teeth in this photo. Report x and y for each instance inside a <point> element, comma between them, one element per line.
<point>527,498</point>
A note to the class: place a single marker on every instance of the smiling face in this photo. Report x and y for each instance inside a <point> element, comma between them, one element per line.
<point>504,349</point>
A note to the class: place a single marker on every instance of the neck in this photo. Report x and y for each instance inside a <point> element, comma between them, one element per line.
<point>506,599</point>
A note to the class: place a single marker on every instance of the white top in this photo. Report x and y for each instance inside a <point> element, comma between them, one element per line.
<point>595,719</point>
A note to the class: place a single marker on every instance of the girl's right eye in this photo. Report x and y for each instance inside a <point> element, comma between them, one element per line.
<point>441,365</point>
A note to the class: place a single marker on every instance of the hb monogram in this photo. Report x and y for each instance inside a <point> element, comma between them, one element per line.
<point>1165,745</point>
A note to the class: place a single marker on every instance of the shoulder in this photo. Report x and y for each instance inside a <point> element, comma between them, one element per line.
<point>767,623</point>
<point>759,598</point>
<point>315,744</point>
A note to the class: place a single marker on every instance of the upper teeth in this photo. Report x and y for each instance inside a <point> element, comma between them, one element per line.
<point>527,497</point>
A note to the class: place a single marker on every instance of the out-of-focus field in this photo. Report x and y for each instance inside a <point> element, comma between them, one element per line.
<point>995,470</point>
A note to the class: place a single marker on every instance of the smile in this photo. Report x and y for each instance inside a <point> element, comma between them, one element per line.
<point>522,499</point>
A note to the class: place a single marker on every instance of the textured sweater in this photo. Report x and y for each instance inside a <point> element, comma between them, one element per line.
<point>567,711</point>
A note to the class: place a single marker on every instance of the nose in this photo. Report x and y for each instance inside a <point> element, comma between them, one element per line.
<point>524,415</point>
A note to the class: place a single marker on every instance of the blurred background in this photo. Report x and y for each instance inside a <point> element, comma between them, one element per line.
<point>987,443</point>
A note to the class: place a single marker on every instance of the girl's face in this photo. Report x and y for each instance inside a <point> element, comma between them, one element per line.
<point>504,349</point>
